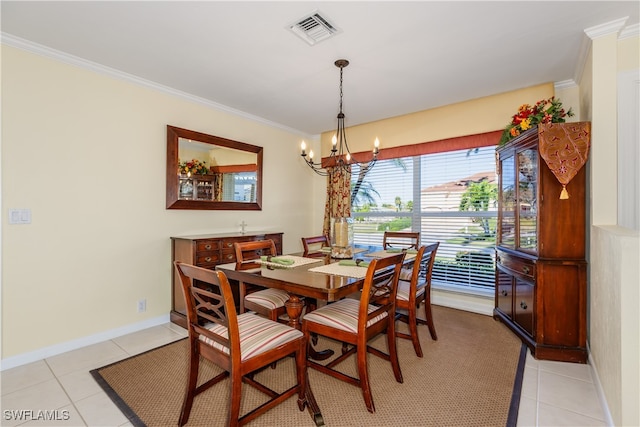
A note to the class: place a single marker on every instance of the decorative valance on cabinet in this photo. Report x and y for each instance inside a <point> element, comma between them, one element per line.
<point>565,149</point>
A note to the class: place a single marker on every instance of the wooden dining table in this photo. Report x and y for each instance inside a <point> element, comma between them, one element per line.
<point>300,282</point>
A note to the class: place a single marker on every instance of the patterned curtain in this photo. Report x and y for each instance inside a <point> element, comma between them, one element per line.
<point>338,197</point>
<point>217,187</point>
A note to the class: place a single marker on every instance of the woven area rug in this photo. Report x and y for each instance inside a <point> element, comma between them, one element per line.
<point>470,376</point>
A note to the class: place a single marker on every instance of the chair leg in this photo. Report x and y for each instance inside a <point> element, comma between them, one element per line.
<point>393,350</point>
<point>311,305</point>
<point>413,331</point>
<point>192,383</point>
<point>429,318</point>
<point>301,374</point>
<point>345,348</point>
<point>242,293</point>
<point>363,374</point>
<point>236,395</point>
<point>274,316</point>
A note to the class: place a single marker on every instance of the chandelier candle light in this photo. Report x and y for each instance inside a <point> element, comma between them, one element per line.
<point>340,156</point>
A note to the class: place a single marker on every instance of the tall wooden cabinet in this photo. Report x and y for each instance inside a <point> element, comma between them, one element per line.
<point>207,251</point>
<point>541,274</point>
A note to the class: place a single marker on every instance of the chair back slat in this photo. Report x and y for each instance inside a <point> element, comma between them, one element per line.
<point>314,244</point>
<point>249,251</point>
<point>401,240</point>
<point>426,257</point>
<point>209,305</point>
<point>214,304</point>
<point>380,287</point>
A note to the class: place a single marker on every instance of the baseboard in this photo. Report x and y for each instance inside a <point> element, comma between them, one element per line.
<point>467,302</point>
<point>599,390</point>
<point>43,353</point>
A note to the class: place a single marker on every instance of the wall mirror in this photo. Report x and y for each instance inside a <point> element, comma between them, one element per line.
<point>209,172</point>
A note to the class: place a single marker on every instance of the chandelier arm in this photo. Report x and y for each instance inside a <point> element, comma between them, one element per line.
<point>340,156</point>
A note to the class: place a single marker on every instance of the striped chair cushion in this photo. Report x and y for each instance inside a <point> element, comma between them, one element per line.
<point>270,298</point>
<point>405,274</point>
<point>403,290</point>
<point>257,335</point>
<point>342,314</point>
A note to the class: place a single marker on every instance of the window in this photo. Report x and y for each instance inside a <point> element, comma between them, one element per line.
<point>450,197</point>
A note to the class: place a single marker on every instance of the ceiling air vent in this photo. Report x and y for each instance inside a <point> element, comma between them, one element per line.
<point>314,28</point>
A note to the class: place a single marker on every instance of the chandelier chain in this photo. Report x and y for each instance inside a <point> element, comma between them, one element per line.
<point>341,93</point>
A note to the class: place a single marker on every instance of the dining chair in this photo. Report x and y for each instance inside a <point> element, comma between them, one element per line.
<point>313,245</point>
<point>266,302</point>
<point>400,240</point>
<point>414,288</point>
<point>356,322</point>
<point>238,344</point>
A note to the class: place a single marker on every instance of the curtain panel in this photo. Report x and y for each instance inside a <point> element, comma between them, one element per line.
<point>338,202</point>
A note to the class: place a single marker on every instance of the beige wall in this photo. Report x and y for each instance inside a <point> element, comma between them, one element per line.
<point>466,118</point>
<point>628,49</point>
<point>86,153</point>
<point>614,322</point>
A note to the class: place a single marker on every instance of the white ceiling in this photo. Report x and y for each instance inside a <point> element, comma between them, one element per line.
<point>404,56</point>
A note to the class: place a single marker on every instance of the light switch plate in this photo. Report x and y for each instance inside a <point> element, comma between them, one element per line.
<point>19,216</point>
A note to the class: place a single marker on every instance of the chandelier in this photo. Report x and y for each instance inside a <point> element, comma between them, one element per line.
<point>340,156</point>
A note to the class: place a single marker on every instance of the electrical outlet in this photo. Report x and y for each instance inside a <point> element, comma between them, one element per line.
<point>142,305</point>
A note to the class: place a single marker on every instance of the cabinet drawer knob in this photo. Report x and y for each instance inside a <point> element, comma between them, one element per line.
<point>523,305</point>
<point>504,293</point>
<point>208,259</point>
<point>207,247</point>
<point>229,244</point>
<point>230,256</point>
<point>526,269</point>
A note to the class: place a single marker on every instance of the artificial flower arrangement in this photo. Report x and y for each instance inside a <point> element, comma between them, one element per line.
<point>193,166</point>
<point>544,111</point>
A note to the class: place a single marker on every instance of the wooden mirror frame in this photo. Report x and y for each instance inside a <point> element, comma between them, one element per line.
<point>173,200</point>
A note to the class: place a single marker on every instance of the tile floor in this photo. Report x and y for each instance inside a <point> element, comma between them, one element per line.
<point>559,394</point>
<point>553,393</point>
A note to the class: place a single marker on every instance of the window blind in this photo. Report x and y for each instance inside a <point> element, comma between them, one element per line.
<point>449,197</point>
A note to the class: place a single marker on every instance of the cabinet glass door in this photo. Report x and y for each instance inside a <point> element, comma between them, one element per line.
<point>508,203</point>
<point>186,187</point>
<point>527,199</point>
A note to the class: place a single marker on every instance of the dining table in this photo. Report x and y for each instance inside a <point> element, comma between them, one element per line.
<point>319,277</point>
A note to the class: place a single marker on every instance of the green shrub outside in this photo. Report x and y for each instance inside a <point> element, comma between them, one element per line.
<point>396,224</point>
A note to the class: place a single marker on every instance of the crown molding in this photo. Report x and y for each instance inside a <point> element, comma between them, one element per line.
<point>596,31</point>
<point>630,31</point>
<point>38,49</point>
<point>564,84</point>
<point>605,29</point>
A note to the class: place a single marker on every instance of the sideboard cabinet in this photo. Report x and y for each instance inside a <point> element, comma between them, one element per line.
<point>540,254</point>
<point>207,251</point>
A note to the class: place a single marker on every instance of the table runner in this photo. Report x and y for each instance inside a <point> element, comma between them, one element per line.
<point>297,261</point>
<point>327,250</point>
<point>341,270</point>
